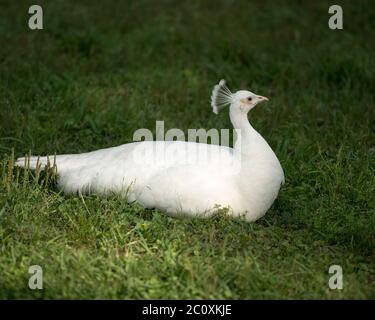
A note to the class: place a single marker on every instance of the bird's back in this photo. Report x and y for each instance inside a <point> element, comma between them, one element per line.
<point>131,166</point>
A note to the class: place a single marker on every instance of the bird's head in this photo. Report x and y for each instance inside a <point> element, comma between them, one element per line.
<point>242,100</point>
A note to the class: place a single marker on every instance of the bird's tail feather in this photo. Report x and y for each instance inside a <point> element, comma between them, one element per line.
<point>32,162</point>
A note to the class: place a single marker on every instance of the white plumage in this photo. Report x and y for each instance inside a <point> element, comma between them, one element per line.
<point>183,178</point>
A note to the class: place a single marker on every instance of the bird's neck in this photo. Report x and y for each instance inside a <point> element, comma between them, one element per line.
<point>249,142</point>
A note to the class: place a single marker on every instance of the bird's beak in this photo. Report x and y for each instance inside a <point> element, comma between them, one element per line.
<point>261,98</point>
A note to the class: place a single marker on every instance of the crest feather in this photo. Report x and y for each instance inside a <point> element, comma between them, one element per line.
<point>221,96</point>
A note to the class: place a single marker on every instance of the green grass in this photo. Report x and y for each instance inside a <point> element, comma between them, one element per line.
<point>96,73</point>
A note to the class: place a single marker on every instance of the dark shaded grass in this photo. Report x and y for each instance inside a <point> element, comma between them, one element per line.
<point>96,73</point>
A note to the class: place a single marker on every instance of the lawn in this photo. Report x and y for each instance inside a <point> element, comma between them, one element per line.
<point>98,72</point>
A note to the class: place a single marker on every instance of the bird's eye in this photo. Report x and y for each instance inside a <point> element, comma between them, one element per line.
<point>249,98</point>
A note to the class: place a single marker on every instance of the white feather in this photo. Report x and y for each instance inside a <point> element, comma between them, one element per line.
<point>220,97</point>
<point>171,183</point>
